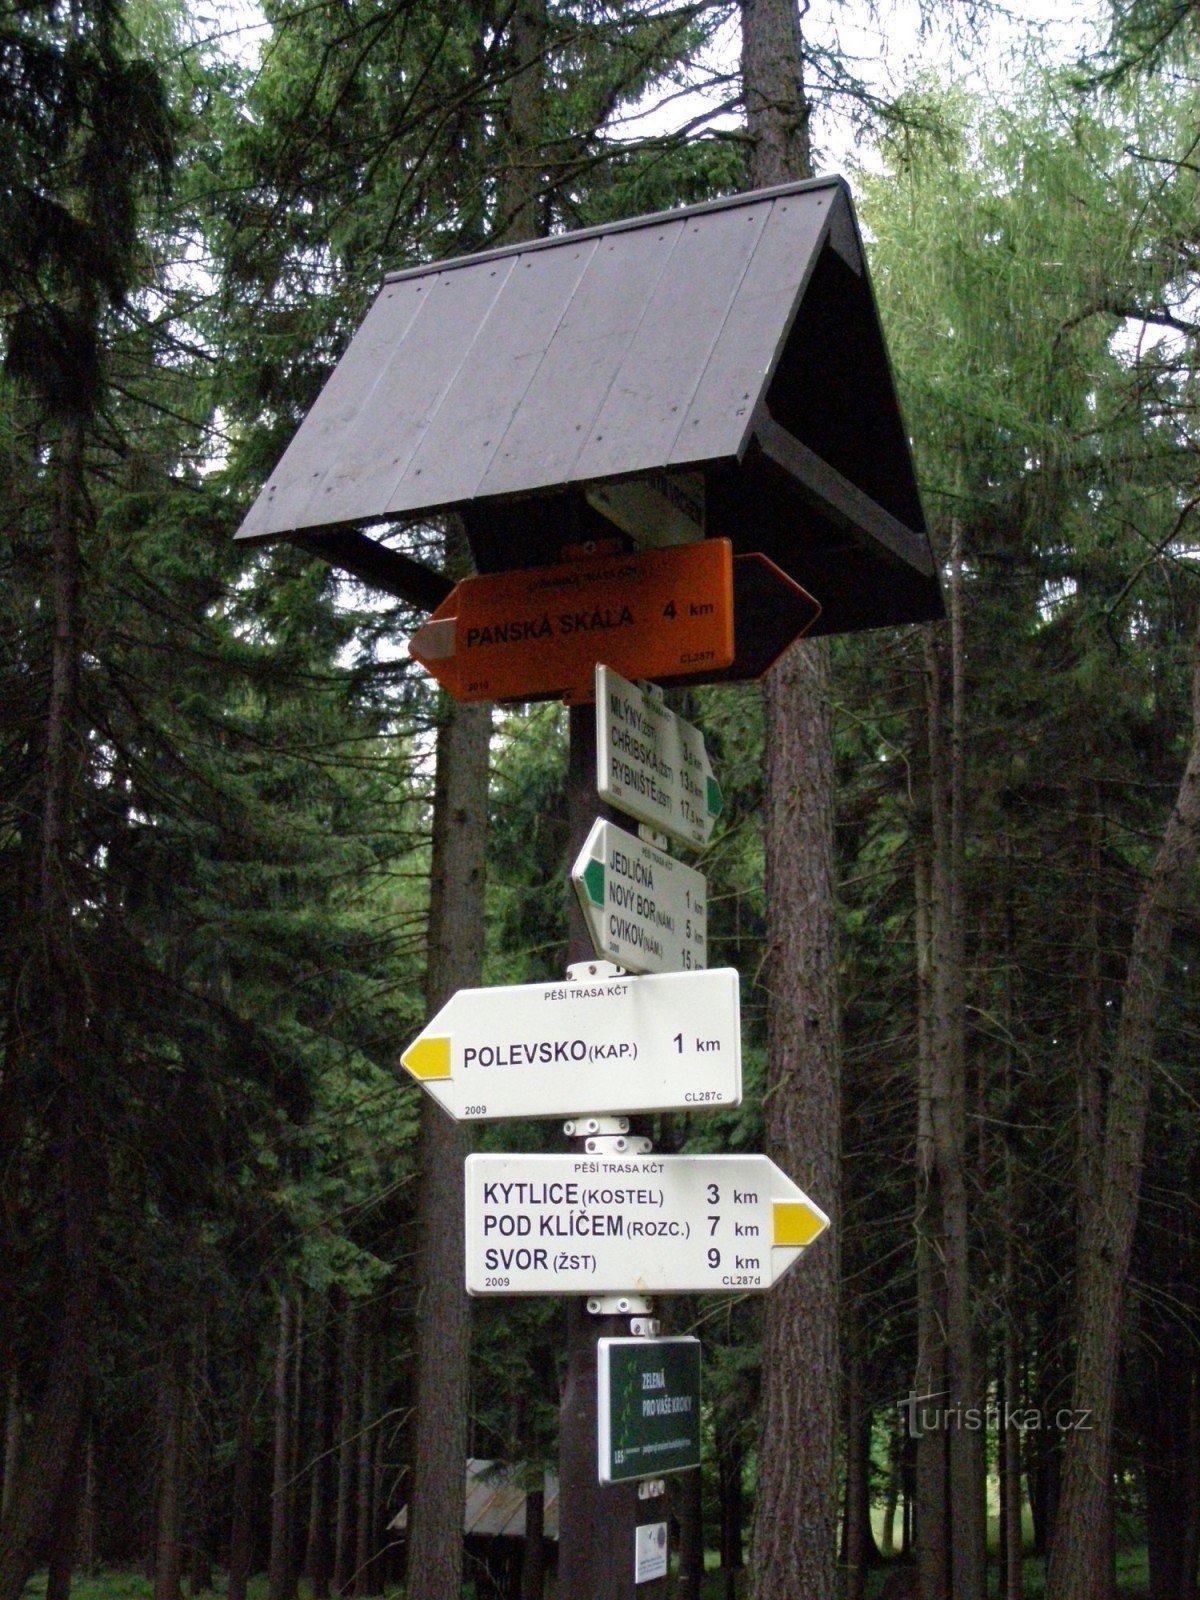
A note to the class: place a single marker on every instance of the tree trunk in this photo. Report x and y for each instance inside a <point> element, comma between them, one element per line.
<point>457,876</point>
<point>443,1331</point>
<point>945,1129</point>
<point>1171,1469</point>
<point>364,1517</point>
<point>908,1489</point>
<point>793,1547</point>
<point>929,1501</point>
<point>65,1543</point>
<point>280,1582</point>
<point>858,1540</point>
<point>777,109</point>
<point>168,1541</point>
<point>1189,1559</point>
<point>1043,1446</point>
<point>1165,1438</point>
<point>51,1440</point>
<point>533,1553</point>
<point>13,1421</point>
<point>241,1532</point>
<point>348,1345</point>
<point>729,1491</point>
<point>891,1494</point>
<point>1080,1557</point>
<point>686,1499</point>
<point>297,1529</point>
<point>200,1514</point>
<point>794,1542</point>
<point>1013,1544</point>
<point>1012,1550</point>
<point>380,1543</point>
<point>88,1559</point>
<point>317,1553</point>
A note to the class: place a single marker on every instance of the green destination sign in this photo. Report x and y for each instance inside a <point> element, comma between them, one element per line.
<point>648,1407</point>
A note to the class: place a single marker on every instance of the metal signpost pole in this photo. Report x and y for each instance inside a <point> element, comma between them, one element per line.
<point>597,1522</point>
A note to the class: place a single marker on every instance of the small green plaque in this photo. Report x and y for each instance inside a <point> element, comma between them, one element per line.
<point>648,1407</point>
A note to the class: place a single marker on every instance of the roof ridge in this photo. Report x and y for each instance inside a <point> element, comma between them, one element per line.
<point>650,219</point>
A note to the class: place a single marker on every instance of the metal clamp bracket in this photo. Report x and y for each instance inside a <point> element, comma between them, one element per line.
<point>619,1305</point>
<point>645,1327</point>
<point>584,1127</point>
<point>651,1488</point>
<point>581,971</point>
<point>621,1144</point>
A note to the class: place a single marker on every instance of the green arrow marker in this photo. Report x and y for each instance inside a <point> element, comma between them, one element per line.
<point>714,798</point>
<point>593,882</point>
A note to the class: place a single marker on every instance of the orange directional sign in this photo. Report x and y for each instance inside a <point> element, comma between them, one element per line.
<point>539,631</point>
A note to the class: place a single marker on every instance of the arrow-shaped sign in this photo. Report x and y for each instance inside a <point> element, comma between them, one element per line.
<point>667,1042</point>
<point>643,910</point>
<point>539,631</point>
<point>651,763</point>
<point>770,612</point>
<point>585,1224</point>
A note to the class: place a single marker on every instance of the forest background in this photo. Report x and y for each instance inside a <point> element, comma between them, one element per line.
<point>217,808</point>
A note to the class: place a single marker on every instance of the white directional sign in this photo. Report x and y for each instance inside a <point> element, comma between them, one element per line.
<point>651,764</point>
<point>670,1041</point>
<point>610,1224</point>
<point>643,910</point>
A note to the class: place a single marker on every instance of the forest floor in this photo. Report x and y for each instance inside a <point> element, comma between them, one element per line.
<point>1131,1583</point>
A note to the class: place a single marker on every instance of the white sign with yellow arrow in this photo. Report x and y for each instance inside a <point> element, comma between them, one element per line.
<point>644,1224</point>
<point>669,1041</point>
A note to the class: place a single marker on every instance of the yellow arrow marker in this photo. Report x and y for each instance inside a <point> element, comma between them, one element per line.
<point>428,1058</point>
<point>796,1223</point>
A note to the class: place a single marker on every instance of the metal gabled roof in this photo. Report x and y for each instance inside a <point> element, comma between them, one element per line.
<point>616,351</point>
<point>516,384</point>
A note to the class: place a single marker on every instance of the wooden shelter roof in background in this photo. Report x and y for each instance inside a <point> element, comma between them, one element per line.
<point>494,1504</point>
<point>728,355</point>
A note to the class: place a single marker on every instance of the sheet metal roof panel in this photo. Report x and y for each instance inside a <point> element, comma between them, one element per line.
<point>581,361</point>
<point>329,427</point>
<point>495,1505</point>
<point>652,392</point>
<point>492,381</point>
<point>359,439</point>
<point>374,458</point>
<point>753,334</point>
